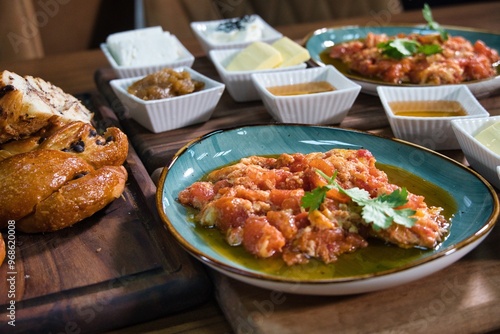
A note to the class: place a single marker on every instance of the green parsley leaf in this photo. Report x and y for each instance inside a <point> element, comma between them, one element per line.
<point>405,46</point>
<point>312,200</point>
<point>399,48</point>
<point>379,211</point>
<point>429,49</point>
<point>427,14</point>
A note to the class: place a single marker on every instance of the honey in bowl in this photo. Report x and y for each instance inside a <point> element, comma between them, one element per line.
<point>437,108</point>
<point>301,88</point>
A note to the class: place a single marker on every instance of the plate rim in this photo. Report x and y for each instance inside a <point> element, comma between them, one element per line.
<point>254,275</point>
<point>318,31</point>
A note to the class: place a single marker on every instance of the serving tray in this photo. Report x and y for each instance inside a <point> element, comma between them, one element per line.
<point>114,269</point>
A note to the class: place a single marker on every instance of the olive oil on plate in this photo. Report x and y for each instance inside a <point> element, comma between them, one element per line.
<point>377,257</point>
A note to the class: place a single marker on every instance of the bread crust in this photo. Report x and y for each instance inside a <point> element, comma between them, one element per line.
<point>28,178</point>
<point>76,200</point>
<point>28,103</point>
<point>32,142</point>
<point>55,169</point>
<point>2,250</point>
<point>46,190</point>
<point>81,139</point>
<point>78,138</point>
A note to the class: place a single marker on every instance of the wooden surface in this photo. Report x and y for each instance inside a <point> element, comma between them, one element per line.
<point>465,296</point>
<point>120,263</point>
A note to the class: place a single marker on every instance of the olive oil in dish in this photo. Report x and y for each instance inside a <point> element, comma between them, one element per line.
<point>301,88</point>
<point>437,108</point>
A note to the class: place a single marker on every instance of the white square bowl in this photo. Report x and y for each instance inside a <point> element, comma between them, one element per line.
<point>239,83</point>
<point>432,132</point>
<point>202,28</point>
<point>171,113</point>
<point>185,59</point>
<point>482,159</point>
<point>318,108</point>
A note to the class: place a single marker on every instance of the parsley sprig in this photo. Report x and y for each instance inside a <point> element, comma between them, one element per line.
<point>427,14</point>
<point>380,211</point>
<point>399,48</point>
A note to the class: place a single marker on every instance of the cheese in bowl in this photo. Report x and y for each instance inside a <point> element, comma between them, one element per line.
<point>144,51</point>
<point>236,66</point>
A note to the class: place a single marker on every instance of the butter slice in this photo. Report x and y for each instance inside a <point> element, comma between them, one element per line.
<point>292,52</point>
<point>490,137</point>
<point>256,56</point>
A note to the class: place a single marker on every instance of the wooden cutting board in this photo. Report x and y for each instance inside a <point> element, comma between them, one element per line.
<point>116,268</point>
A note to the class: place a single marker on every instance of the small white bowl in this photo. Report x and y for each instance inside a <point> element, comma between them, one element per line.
<point>432,132</point>
<point>202,28</point>
<point>185,59</point>
<point>483,160</point>
<point>239,83</point>
<point>171,113</point>
<point>318,108</point>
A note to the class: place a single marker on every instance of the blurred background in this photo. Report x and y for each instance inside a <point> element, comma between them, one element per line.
<point>36,28</point>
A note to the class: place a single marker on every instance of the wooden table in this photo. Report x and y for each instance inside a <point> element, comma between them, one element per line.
<point>465,296</point>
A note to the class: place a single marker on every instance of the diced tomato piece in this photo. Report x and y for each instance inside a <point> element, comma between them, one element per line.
<point>261,238</point>
<point>284,221</point>
<point>481,48</point>
<point>230,212</point>
<point>287,199</point>
<point>335,194</point>
<point>197,195</point>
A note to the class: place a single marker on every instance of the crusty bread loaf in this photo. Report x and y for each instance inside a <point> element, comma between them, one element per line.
<point>32,142</point>
<point>82,139</point>
<point>2,250</point>
<point>28,178</point>
<point>27,103</point>
<point>46,190</point>
<point>76,200</point>
<point>79,138</point>
<point>55,169</point>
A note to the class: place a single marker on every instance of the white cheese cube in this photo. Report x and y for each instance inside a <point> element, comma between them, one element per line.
<point>143,47</point>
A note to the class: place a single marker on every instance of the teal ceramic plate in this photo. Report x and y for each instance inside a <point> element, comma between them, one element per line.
<point>320,40</point>
<point>473,201</point>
